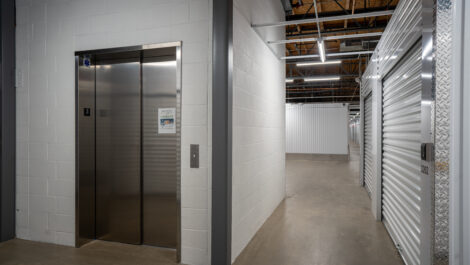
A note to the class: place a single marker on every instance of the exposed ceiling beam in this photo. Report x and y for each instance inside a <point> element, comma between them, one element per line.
<point>287,6</point>
<point>337,13</point>
<point>320,101</point>
<point>353,9</point>
<point>322,97</point>
<point>317,93</point>
<point>344,61</point>
<point>335,31</point>
<point>316,16</point>
<point>348,2</point>
<point>338,37</point>
<point>320,90</point>
<point>339,54</point>
<point>338,83</point>
<point>347,12</point>
<point>318,76</point>
<point>324,19</point>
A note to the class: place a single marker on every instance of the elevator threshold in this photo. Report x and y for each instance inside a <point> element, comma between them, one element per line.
<point>114,243</point>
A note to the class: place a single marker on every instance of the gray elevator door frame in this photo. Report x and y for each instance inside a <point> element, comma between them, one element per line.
<point>158,176</point>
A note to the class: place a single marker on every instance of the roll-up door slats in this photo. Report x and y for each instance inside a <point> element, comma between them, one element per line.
<point>408,220</point>
<point>401,140</point>
<point>401,173</point>
<point>408,248</point>
<point>368,172</point>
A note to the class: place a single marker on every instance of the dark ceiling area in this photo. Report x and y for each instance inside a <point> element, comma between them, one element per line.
<point>336,79</point>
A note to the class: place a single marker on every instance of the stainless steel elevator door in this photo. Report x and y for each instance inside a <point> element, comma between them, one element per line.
<point>160,207</point>
<point>118,143</point>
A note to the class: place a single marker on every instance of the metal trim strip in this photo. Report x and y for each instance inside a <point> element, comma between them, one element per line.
<point>131,48</point>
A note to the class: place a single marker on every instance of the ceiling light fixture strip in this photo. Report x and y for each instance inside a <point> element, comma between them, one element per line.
<point>318,63</point>
<point>314,79</point>
<point>338,37</point>
<point>328,55</point>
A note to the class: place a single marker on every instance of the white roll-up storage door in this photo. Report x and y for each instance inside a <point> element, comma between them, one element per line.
<point>368,175</point>
<point>402,202</point>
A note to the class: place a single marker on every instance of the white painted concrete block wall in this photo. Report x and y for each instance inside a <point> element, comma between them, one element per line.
<point>258,181</point>
<point>48,34</point>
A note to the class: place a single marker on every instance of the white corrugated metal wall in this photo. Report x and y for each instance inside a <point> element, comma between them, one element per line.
<point>317,128</point>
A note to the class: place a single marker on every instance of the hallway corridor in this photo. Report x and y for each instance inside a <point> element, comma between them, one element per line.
<point>324,220</point>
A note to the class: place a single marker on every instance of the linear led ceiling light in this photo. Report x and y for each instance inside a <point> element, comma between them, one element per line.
<point>316,79</point>
<point>321,50</point>
<point>318,63</point>
<point>289,80</point>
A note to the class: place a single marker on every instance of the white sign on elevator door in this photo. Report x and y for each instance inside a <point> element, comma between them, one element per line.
<point>166,120</point>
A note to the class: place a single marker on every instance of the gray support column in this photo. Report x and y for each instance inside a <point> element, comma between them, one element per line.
<point>222,63</point>
<point>7,120</point>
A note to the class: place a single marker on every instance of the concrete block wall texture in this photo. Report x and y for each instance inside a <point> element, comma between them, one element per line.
<point>258,178</point>
<point>48,34</point>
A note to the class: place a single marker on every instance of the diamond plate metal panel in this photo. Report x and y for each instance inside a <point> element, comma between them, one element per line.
<point>443,55</point>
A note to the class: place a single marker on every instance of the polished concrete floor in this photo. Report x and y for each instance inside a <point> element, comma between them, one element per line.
<point>16,252</point>
<point>325,220</point>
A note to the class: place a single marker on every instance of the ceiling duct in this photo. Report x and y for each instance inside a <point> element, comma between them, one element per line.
<point>287,7</point>
<point>357,45</point>
<point>351,45</point>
